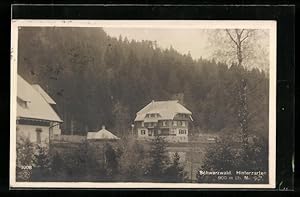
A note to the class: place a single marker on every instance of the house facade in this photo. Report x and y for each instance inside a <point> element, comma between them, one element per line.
<point>36,118</point>
<point>168,119</point>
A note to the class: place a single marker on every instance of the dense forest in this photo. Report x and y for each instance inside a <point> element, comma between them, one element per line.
<point>96,79</point>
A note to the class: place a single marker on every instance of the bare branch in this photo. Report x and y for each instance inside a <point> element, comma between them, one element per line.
<point>247,35</point>
<point>227,31</point>
<point>237,33</point>
<point>242,32</point>
<point>241,45</point>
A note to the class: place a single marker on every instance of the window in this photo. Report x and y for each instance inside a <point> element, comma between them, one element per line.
<point>152,115</point>
<point>174,123</point>
<point>183,123</point>
<point>22,103</point>
<point>143,132</point>
<point>164,123</point>
<point>143,124</point>
<point>51,132</point>
<point>38,135</point>
<point>182,131</point>
<point>172,131</point>
<point>165,132</point>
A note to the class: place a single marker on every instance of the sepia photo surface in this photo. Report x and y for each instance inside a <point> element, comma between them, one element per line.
<point>143,104</point>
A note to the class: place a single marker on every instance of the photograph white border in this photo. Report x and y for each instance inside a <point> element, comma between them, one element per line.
<point>201,24</point>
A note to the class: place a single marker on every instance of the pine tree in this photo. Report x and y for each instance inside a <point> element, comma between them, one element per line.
<point>159,158</point>
<point>122,119</point>
<point>88,72</point>
<point>175,172</point>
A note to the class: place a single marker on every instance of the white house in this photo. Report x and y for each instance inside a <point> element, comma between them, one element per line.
<point>169,119</point>
<point>102,134</point>
<point>36,118</point>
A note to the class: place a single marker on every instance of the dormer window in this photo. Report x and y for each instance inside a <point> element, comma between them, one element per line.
<point>164,123</point>
<point>183,115</point>
<point>22,103</point>
<point>183,123</point>
<point>175,123</point>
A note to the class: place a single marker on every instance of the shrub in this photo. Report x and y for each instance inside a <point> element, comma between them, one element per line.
<point>229,155</point>
<point>25,155</point>
<point>41,164</point>
<point>175,172</point>
<point>133,161</point>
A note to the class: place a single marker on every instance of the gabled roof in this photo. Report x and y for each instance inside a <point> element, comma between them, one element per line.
<point>44,94</point>
<point>102,134</point>
<point>166,110</point>
<point>37,106</point>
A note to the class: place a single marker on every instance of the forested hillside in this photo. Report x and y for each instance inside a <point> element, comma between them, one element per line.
<point>96,79</point>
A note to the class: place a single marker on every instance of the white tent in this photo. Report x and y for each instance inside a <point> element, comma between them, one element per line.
<point>102,134</point>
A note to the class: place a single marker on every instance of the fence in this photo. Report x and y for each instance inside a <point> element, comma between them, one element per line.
<point>69,138</point>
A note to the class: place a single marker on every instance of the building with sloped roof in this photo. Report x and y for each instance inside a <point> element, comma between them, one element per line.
<point>36,118</point>
<point>102,134</point>
<point>169,119</point>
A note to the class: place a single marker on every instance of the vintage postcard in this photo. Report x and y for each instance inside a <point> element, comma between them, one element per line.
<point>143,104</point>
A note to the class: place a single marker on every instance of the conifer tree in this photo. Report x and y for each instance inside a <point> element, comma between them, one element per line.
<point>159,158</point>
<point>175,171</point>
<point>89,72</point>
